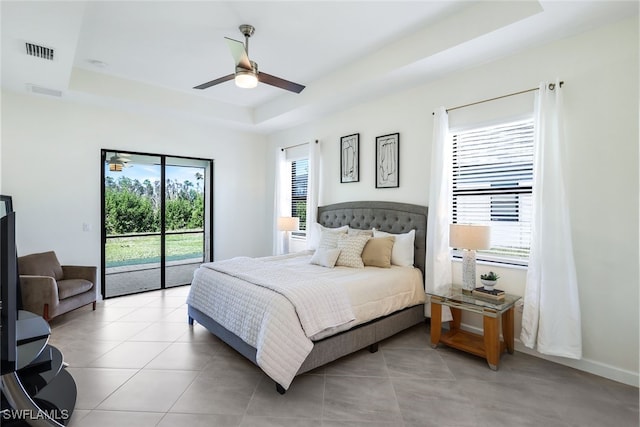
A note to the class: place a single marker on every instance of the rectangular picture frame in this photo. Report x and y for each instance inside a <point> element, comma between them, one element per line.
<point>388,161</point>
<point>350,158</point>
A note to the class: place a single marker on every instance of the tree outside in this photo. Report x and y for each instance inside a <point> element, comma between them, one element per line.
<point>132,207</point>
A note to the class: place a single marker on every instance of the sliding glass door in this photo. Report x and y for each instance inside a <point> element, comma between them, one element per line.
<point>157,220</point>
<point>185,229</point>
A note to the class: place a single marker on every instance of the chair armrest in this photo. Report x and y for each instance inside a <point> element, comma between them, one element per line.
<point>37,291</point>
<point>79,272</point>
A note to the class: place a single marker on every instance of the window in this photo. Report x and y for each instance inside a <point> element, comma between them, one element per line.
<point>299,180</point>
<point>492,184</point>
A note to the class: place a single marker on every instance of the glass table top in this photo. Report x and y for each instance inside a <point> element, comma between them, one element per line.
<point>455,297</point>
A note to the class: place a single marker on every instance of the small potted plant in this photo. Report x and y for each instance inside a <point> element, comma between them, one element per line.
<point>489,280</point>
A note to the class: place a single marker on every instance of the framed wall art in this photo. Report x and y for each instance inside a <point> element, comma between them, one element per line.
<point>350,158</point>
<point>388,161</point>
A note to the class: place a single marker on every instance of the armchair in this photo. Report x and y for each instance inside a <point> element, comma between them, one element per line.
<point>50,289</point>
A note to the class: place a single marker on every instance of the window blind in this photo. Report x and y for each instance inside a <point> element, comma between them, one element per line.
<point>299,180</point>
<point>492,184</point>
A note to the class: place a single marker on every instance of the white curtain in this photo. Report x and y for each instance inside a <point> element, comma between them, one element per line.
<point>313,190</point>
<point>438,261</point>
<point>551,316</point>
<point>282,198</point>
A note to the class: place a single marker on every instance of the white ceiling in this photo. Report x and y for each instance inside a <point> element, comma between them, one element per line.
<point>152,53</point>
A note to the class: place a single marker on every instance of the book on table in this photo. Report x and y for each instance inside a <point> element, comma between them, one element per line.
<point>490,294</point>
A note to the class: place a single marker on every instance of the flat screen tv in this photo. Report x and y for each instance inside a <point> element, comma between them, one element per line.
<point>9,291</point>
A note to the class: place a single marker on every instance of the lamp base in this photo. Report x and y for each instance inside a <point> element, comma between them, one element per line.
<point>285,243</point>
<point>468,270</point>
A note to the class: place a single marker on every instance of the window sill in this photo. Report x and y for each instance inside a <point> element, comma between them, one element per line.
<point>495,264</point>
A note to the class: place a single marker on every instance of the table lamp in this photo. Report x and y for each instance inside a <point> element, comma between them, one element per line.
<point>287,224</point>
<point>469,238</point>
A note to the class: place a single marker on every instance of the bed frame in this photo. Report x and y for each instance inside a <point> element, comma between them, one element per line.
<point>384,216</point>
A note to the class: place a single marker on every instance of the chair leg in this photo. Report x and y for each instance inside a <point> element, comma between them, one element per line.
<point>94,306</point>
<point>45,312</point>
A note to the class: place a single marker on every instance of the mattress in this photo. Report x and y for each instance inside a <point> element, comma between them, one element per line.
<point>266,320</point>
<point>374,292</point>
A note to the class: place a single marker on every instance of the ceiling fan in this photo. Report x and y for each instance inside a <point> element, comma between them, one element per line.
<point>118,161</point>
<point>247,74</point>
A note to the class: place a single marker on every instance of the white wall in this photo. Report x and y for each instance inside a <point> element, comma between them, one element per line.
<point>50,164</point>
<point>600,69</point>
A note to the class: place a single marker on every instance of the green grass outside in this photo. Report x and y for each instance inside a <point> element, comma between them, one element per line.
<point>133,250</point>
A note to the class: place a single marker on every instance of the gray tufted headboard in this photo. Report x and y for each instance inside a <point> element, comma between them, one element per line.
<point>391,217</point>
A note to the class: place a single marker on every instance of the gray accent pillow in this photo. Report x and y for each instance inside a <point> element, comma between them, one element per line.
<point>329,237</point>
<point>316,231</point>
<point>356,232</point>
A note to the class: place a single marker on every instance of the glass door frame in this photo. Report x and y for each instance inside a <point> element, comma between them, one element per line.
<point>209,200</point>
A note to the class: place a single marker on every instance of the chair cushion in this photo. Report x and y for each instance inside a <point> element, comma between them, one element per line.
<point>72,287</point>
<point>42,264</point>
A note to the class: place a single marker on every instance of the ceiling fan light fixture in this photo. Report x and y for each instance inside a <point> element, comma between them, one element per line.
<point>246,79</point>
<point>117,163</point>
<point>246,75</point>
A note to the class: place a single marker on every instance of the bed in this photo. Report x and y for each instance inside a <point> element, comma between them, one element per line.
<point>328,345</point>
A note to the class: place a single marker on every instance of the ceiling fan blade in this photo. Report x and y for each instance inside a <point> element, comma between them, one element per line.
<point>239,53</point>
<point>281,83</point>
<point>215,82</point>
<point>118,158</point>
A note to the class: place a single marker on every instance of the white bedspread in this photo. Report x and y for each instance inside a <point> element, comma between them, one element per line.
<point>265,319</point>
<point>320,303</point>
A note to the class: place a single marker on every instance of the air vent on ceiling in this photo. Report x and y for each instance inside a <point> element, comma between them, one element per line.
<point>44,90</point>
<point>39,51</point>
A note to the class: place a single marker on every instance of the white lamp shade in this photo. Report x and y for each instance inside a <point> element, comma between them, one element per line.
<point>467,236</point>
<point>288,223</point>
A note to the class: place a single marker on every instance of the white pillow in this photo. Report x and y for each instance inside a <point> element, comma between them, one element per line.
<point>402,252</point>
<point>316,234</point>
<point>351,250</point>
<point>325,257</point>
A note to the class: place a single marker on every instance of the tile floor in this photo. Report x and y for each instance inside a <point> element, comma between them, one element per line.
<point>137,362</point>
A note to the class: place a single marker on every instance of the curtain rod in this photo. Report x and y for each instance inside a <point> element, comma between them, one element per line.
<point>297,145</point>
<point>552,86</point>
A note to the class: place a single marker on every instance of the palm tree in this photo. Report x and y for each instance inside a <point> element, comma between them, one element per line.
<point>199,177</point>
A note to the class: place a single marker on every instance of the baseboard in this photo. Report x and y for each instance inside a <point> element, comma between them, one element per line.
<point>601,369</point>
<point>586,365</point>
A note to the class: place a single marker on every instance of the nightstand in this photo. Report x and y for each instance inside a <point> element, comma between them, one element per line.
<point>488,345</point>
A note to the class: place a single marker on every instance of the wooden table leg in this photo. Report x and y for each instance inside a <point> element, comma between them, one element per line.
<point>456,313</point>
<point>436,323</point>
<point>507,329</point>
<point>492,341</point>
